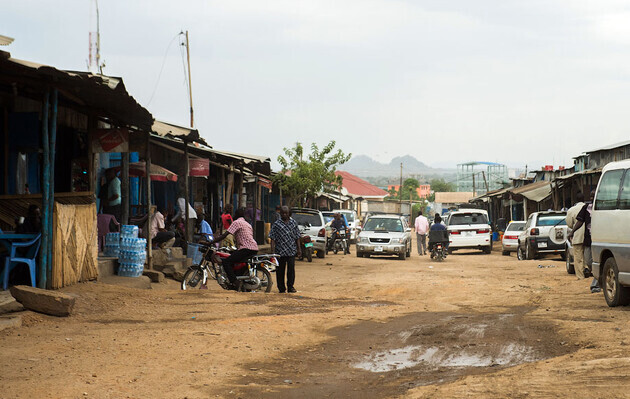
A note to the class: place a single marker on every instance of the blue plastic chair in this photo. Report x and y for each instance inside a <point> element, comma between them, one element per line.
<point>29,258</point>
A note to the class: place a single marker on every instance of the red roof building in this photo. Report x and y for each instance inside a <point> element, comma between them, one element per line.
<point>357,187</point>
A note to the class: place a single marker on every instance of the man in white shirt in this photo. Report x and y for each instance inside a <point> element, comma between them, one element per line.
<point>578,237</point>
<point>422,227</point>
<point>181,214</point>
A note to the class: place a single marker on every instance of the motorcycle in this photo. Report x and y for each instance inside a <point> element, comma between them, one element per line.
<point>438,251</point>
<point>306,245</point>
<point>438,241</point>
<point>340,241</point>
<point>254,274</point>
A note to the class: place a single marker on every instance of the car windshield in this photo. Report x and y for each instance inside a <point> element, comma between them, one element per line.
<point>516,226</point>
<point>557,219</point>
<point>304,218</point>
<point>467,218</point>
<point>349,216</point>
<point>383,224</point>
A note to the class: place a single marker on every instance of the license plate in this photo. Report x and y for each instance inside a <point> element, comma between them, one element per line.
<point>308,244</point>
<point>542,245</point>
<point>378,249</point>
<point>467,233</point>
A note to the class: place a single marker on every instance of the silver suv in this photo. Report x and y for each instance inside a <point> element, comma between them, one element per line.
<point>384,235</point>
<point>544,233</point>
<point>312,224</point>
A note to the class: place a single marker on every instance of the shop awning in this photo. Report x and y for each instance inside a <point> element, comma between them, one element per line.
<point>158,173</point>
<point>534,192</point>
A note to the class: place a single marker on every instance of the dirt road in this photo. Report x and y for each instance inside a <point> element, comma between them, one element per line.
<point>485,326</point>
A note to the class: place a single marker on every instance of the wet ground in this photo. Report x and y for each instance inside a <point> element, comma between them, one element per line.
<point>475,325</point>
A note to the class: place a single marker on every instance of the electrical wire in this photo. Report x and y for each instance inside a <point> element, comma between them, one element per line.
<point>162,68</point>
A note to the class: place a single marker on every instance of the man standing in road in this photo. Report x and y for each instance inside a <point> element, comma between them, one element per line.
<point>584,219</point>
<point>285,241</point>
<point>578,236</point>
<point>422,227</point>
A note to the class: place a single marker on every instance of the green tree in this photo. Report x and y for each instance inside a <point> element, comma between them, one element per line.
<point>440,186</point>
<point>410,186</point>
<point>303,176</point>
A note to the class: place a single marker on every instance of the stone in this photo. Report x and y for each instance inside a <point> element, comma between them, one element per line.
<point>43,301</point>
<point>11,321</point>
<point>8,304</point>
<point>154,275</point>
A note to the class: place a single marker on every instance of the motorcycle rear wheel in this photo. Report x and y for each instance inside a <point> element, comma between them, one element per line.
<point>266,283</point>
<point>309,254</point>
<point>190,276</point>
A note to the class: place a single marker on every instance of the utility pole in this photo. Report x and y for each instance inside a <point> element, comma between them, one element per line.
<point>474,189</point>
<point>192,119</point>
<point>400,190</point>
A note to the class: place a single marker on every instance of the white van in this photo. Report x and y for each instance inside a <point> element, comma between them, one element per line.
<point>469,229</point>
<point>610,232</point>
<point>353,221</point>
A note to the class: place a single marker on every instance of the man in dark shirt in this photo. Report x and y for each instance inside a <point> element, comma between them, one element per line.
<point>584,218</point>
<point>339,224</point>
<point>437,226</point>
<point>285,241</point>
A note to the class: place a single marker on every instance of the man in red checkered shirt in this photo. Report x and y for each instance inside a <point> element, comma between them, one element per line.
<point>247,247</point>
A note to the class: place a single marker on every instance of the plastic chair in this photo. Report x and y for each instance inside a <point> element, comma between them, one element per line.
<point>29,258</point>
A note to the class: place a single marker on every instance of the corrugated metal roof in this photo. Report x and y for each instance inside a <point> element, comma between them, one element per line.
<point>165,129</point>
<point>106,96</point>
<point>358,187</point>
<point>5,40</point>
<point>610,146</point>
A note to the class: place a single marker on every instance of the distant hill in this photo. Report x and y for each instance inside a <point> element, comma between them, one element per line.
<point>364,166</point>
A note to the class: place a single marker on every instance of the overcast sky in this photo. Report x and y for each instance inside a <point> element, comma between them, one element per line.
<point>529,81</point>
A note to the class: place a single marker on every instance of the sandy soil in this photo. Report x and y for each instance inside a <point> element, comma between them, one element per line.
<point>475,325</point>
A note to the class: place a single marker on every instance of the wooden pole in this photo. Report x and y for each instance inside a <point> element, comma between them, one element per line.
<point>192,119</point>
<point>255,206</point>
<point>187,190</point>
<point>5,128</point>
<point>51,187</point>
<point>124,189</point>
<point>240,189</point>
<point>148,193</point>
<point>485,182</point>
<point>41,283</point>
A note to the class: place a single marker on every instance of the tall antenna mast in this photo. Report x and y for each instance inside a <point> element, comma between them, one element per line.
<point>94,60</point>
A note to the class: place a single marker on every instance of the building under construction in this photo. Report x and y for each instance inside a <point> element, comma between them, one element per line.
<point>481,177</point>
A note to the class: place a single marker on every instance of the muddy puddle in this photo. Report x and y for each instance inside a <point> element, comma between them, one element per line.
<point>378,359</point>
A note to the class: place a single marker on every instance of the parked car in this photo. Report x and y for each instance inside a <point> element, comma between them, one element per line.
<point>384,235</point>
<point>610,231</point>
<point>545,233</point>
<point>353,222</point>
<point>509,242</point>
<point>469,229</point>
<point>313,222</point>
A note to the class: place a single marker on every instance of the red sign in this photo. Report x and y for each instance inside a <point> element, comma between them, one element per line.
<point>264,182</point>
<point>110,140</point>
<point>199,167</point>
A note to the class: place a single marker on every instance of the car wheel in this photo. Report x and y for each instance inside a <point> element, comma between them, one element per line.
<point>614,293</point>
<point>402,256</point>
<point>449,251</point>
<point>505,253</point>
<point>569,263</point>
<point>529,252</point>
<point>321,254</point>
<point>366,255</point>
<point>487,250</point>
<point>519,253</point>
<point>359,254</point>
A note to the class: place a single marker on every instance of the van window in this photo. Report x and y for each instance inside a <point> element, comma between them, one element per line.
<point>553,219</point>
<point>624,195</point>
<point>304,218</point>
<point>467,218</point>
<point>608,190</point>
